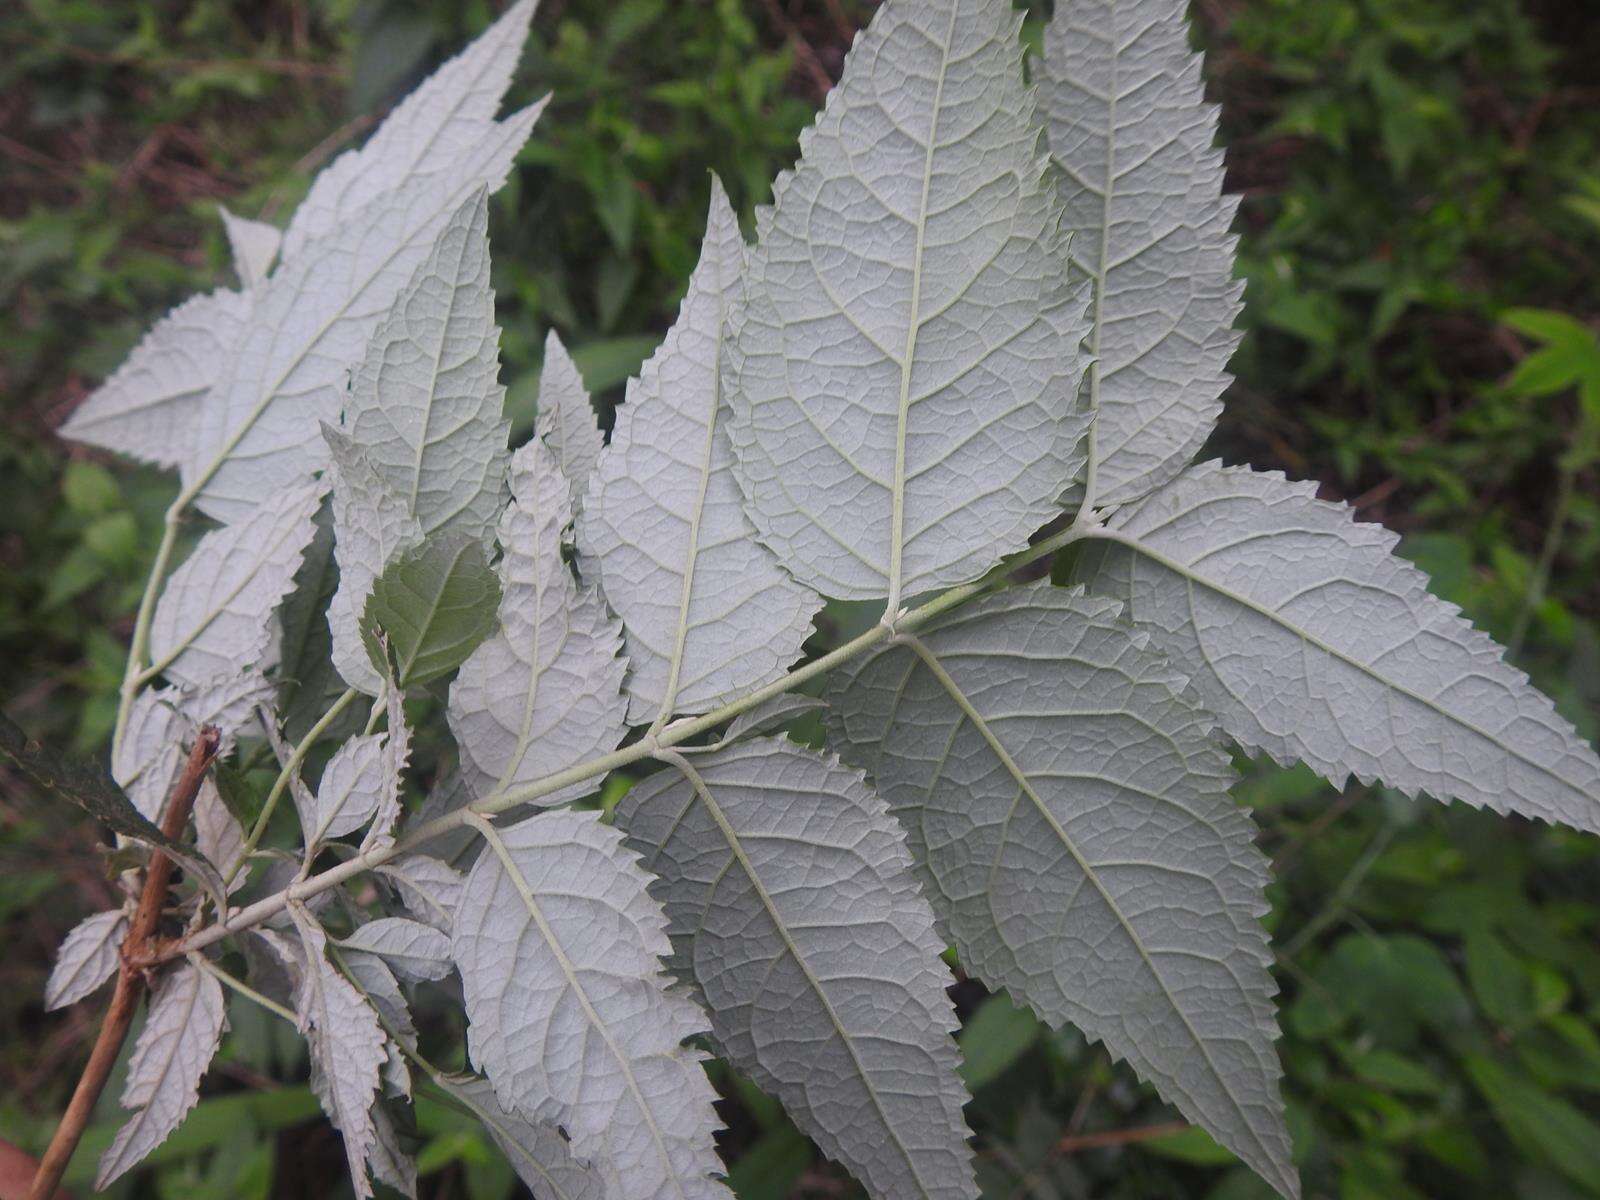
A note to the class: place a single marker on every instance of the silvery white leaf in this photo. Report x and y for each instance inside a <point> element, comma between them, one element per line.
<point>275,963</point>
<point>374,979</point>
<point>348,792</point>
<point>254,245</point>
<point>182,1027</point>
<point>396,754</point>
<point>415,951</point>
<point>371,526</point>
<point>425,136</point>
<point>425,405</point>
<point>88,956</point>
<point>161,726</point>
<point>1310,640</point>
<point>1141,185</point>
<point>771,715</point>
<point>149,408</point>
<point>214,616</point>
<point>538,1154</point>
<point>559,946</point>
<point>1068,806</point>
<point>903,374</point>
<point>707,612</point>
<point>260,429</point>
<point>545,692</point>
<point>566,419</point>
<point>347,1049</point>
<point>217,835</point>
<point>430,887</point>
<point>819,966</point>
<point>305,804</point>
<point>390,1164</point>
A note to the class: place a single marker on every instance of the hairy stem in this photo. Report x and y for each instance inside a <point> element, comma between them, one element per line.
<point>646,747</point>
<point>130,978</point>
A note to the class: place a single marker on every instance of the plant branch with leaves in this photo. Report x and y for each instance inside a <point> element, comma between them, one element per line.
<point>981,322</point>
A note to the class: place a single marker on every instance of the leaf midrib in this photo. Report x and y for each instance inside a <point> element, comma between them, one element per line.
<point>897,514</point>
<point>525,890</point>
<point>1025,786</point>
<point>1193,577</point>
<point>697,782</point>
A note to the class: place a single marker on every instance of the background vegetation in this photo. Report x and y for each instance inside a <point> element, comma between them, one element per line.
<point>1421,231</point>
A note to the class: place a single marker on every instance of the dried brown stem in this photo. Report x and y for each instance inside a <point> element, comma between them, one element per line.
<point>130,978</point>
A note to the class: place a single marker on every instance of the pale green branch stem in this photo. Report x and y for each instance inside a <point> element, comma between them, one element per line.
<point>286,773</point>
<point>243,988</point>
<point>646,747</point>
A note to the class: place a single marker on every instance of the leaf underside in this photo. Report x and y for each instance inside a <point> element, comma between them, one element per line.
<point>1067,805</point>
<point>1311,641</point>
<point>821,971</point>
<point>909,330</point>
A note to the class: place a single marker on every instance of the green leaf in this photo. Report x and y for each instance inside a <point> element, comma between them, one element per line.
<point>1544,1126</point>
<point>434,604</point>
<point>771,1167</point>
<point>998,1034</point>
<point>1386,1069</point>
<point>1191,1145</point>
<point>1498,978</point>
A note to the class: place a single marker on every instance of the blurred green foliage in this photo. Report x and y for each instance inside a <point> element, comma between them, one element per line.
<point>1420,234</point>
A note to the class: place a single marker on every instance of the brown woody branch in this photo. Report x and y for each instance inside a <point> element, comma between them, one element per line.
<point>130,978</point>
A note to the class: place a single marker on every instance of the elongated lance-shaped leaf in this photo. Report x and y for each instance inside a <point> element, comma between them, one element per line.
<point>430,887</point>
<point>214,617</point>
<point>568,1009</point>
<point>149,409</point>
<point>1069,810</point>
<point>347,1048</point>
<point>426,405</point>
<point>416,952</point>
<point>707,611</point>
<point>903,372</point>
<point>424,138</point>
<point>377,983</point>
<point>180,1035</point>
<point>162,724</point>
<point>350,789</point>
<point>308,680</point>
<point>821,970</point>
<point>254,245</point>
<point>1312,641</point>
<point>372,526</point>
<point>545,692</point>
<point>1141,185</point>
<point>259,430</point>
<point>218,835</point>
<point>772,714</point>
<point>89,956</point>
<point>538,1154</point>
<point>430,609</point>
<point>566,418</point>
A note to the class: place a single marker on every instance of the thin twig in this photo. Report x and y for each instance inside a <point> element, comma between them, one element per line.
<point>130,978</point>
<point>1072,1143</point>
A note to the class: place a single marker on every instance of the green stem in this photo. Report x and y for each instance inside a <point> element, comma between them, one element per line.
<point>647,747</point>
<point>244,989</point>
<point>133,675</point>
<point>1566,489</point>
<point>286,773</point>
